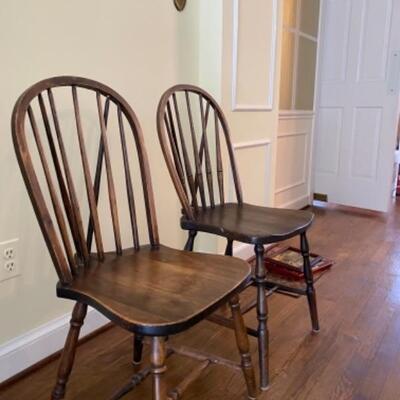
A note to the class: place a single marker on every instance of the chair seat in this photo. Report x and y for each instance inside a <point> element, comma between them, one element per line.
<point>250,224</point>
<point>157,291</point>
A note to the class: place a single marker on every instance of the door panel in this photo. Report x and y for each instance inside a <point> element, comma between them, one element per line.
<point>375,31</point>
<point>365,146</point>
<point>329,132</point>
<point>356,113</point>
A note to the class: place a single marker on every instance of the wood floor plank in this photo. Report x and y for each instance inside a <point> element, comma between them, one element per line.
<point>356,355</point>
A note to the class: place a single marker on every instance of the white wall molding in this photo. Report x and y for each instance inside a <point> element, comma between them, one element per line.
<point>254,144</point>
<point>304,177</point>
<point>251,143</point>
<point>291,186</point>
<point>243,251</point>
<point>293,159</point>
<point>296,114</point>
<point>296,204</point>
<point>269,100</point>
<point>28,349</point>
<point>288,134</point>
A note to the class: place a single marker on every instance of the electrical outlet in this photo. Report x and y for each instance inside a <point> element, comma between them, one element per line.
<point>8,253</point>
<point>9,267</point>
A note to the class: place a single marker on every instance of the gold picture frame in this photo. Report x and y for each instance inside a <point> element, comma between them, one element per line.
<point>180,4</point>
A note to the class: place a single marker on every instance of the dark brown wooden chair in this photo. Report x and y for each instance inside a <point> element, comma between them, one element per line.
<point>150,290</point>
<point>189,123</point>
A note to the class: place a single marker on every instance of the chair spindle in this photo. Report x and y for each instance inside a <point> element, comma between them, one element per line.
<point>110,180</point>
<point>199,182</point>
<point>188,168</point>
<point>54,199</point>
<point>207,153</point>
<point>169,124</point>
<point>88,180</point>
<point>128,180</point>
<point>220,170</point>
<point>76,220</point>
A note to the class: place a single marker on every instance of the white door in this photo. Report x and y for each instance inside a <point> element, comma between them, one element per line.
<point>357,102</point>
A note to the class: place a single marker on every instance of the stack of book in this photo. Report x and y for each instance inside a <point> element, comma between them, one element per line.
<point>287,262</point>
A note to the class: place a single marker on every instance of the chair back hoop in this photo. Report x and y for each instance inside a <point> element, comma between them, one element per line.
<point>60,209</point>
<point>193,152</point>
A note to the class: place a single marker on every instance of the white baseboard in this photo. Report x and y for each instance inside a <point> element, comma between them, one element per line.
<point>246,251</point>
<point>28,349</point>
<point>243,251</point>
<point>296,204</point>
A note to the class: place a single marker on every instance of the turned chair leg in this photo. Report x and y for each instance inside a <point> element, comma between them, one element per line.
<point>243,345</point>
<point>190,241</point>
<point>229,248</point>
<point>308,276</point>
<point>262,316</point>
<point>68,354</point>
<point>137,349</point>
<point>158,368</point>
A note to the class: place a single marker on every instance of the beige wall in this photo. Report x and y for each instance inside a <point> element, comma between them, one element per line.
<point>252,60</point>
<point>137,47</point>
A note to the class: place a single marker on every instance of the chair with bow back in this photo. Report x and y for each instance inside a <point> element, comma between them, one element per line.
<point>148,289</point>
<point>192,129</point>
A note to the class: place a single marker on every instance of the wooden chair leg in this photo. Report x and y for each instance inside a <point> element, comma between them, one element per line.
<point>308,277</point>
<point>190,241</point>
<point>137,349</point>
<point>229,248</point>
<point>262,316</point>
<point>242,341</point>
<point>68,354</point>
<point>158,368</point>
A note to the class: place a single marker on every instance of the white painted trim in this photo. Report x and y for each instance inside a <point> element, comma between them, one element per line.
<point>251,143</point>
<point>268,106</point>
<point>31,347</point>
<point>296,204</point>
<point>296,114</point>
<point>243,251</point>
<point>288,134</point>
<point>297,34</point>
<point>303,179</point>
<point>291,186</point>
<point>297,31</point>
<point>267,157</point>
<point>313,136</point>
<point>296,57</point>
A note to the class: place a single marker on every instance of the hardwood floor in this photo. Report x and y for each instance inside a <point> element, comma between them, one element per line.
<point>356,355</point>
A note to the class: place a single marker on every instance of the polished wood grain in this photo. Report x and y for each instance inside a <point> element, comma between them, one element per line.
<point>150,290</point>
<point>355,356</point>
<point>157,291</point>
<point>158,368</point>
<point>244,347</point>
<point>68,354</point>
<point>262,317</point>
<point>249,223</point>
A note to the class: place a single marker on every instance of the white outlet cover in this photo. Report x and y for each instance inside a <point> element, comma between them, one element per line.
<point>5,272</point>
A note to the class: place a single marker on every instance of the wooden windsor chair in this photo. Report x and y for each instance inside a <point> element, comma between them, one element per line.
<point>150,290</point>
<point>194,157</point>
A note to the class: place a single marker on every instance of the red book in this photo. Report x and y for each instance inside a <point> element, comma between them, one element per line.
<point>287,261</point>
